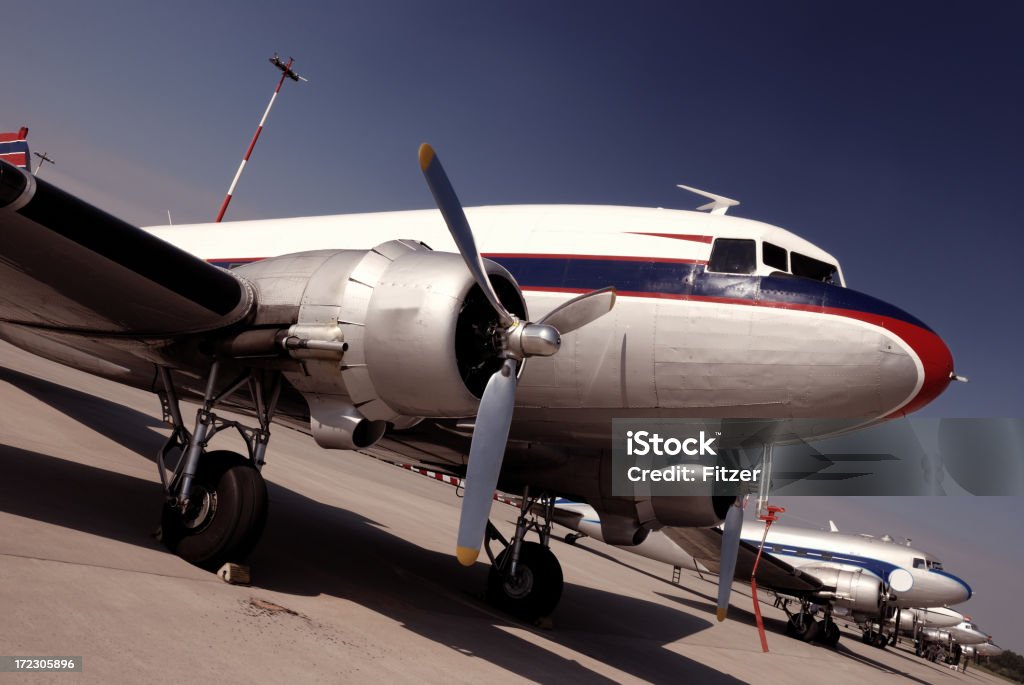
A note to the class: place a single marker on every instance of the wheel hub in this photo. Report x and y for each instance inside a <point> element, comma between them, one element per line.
<point>520,584</point>
<point>201,508</point>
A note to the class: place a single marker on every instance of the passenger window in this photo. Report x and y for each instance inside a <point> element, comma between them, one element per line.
<point>775,256</point>
<point>733,256</point>
<point>815,269</point>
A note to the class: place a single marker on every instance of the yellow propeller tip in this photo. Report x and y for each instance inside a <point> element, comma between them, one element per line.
<point>426,156</point>
<point>466,555</point>
<point>720,614</point>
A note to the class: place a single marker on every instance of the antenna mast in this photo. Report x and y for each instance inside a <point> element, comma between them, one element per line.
<point>286,72</point>
<point>42,160</point>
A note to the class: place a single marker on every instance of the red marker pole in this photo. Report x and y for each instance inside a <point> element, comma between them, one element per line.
<point>286,72</point>
<point>768,518</point>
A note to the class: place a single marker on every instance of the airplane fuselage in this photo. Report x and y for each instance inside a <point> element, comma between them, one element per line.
<point>913,579</point>
<point>685,339</point>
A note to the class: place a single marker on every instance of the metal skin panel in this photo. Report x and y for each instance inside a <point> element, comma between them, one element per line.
<point>806,548</point>
<point>712,345</point>
<point>965,633</point>
<point>410,335</point>
<point>852,589</point>
<point>67,265</point>
<point>281,283</point>
<point>705,545</point>
<point>935,617</point>
<point>397,307</point>
<point>681,342</point>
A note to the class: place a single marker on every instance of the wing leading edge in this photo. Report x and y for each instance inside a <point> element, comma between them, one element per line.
<point>66,265</point>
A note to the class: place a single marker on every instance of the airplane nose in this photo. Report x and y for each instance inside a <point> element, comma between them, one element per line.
<point>954,587</point>
<point>936,364</point>
<point>936,361</point>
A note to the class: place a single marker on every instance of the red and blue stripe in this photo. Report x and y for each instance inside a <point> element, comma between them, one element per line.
<point>688,279</point>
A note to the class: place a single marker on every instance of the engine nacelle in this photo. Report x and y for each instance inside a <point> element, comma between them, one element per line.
<point>857,591</point>
<point>685,511</point>
<point>406,334</point>
<point>935,635</point>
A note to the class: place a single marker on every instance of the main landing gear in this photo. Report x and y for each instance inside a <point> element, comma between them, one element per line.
<point>875,637</point>
<point>525,579</point>
<point>873,633</point>
<point>803,626</point>
<point>215,503</point>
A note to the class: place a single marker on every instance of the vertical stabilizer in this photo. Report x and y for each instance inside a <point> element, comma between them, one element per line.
<point>14,148</point>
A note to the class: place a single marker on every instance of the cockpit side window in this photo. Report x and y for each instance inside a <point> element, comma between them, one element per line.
<point>919,563</point>
<point>733,256</point>
<point>775,256</point>
<point>815,269</point>
<point>937,565</point>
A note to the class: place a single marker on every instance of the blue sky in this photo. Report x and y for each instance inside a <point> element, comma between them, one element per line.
<point>888,133</point>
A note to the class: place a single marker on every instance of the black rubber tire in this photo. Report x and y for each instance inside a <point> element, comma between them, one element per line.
<point>802,627</point>
<point>539,588</point>
<point>828,633</point>
<point>235,496</point>
<point>880,640</point>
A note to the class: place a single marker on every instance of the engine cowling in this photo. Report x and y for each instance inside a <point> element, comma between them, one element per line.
<point>852,589</point>
<point>386,336</point>
<point>687,511</point>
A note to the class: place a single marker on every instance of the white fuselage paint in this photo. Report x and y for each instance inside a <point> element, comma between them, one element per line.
<point>583,518</point>
<point>651,356</point>
<point>911,581</point>
<point>808,549</point>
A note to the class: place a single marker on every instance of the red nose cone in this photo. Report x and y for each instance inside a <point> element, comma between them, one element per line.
<point>937,363</point>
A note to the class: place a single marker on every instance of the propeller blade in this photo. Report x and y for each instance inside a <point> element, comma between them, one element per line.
<point>730,550</point>
<point>485,456</point>
<point>579,311</point>
<point>451,209</point>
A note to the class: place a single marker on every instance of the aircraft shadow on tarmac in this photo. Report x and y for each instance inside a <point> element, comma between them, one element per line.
<point>312,548</point>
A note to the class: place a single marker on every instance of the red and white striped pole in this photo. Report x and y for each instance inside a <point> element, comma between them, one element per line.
<point>286,72</point>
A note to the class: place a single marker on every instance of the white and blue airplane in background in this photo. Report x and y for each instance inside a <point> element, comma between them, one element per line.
<point>411,338</point>
<point>856,576</point>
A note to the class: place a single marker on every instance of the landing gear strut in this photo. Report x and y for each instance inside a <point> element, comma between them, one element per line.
<point>875,637</point>
<point>215,503</point>
<point>828,631</point>
<point>874,634</point>
<point>802,624</point>
<point>525,579</point>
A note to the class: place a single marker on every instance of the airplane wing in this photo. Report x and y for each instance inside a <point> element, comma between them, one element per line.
<point>705,545</point>
<point>67,266</point>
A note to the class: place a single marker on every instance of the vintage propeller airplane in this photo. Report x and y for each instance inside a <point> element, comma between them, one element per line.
<point>373,342</point>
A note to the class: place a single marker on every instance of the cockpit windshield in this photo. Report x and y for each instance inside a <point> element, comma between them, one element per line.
<point>740,256</point>
<point>815,269</point>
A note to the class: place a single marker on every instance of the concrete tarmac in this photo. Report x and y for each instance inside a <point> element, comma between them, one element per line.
<point>354,580</point>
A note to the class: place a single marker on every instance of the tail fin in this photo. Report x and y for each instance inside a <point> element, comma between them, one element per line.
<point>14,148</point>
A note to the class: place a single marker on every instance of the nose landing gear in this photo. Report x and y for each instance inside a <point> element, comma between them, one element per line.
<point>525,579</point>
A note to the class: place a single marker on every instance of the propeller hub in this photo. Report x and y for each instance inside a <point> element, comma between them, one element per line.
<point>533,340</point>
